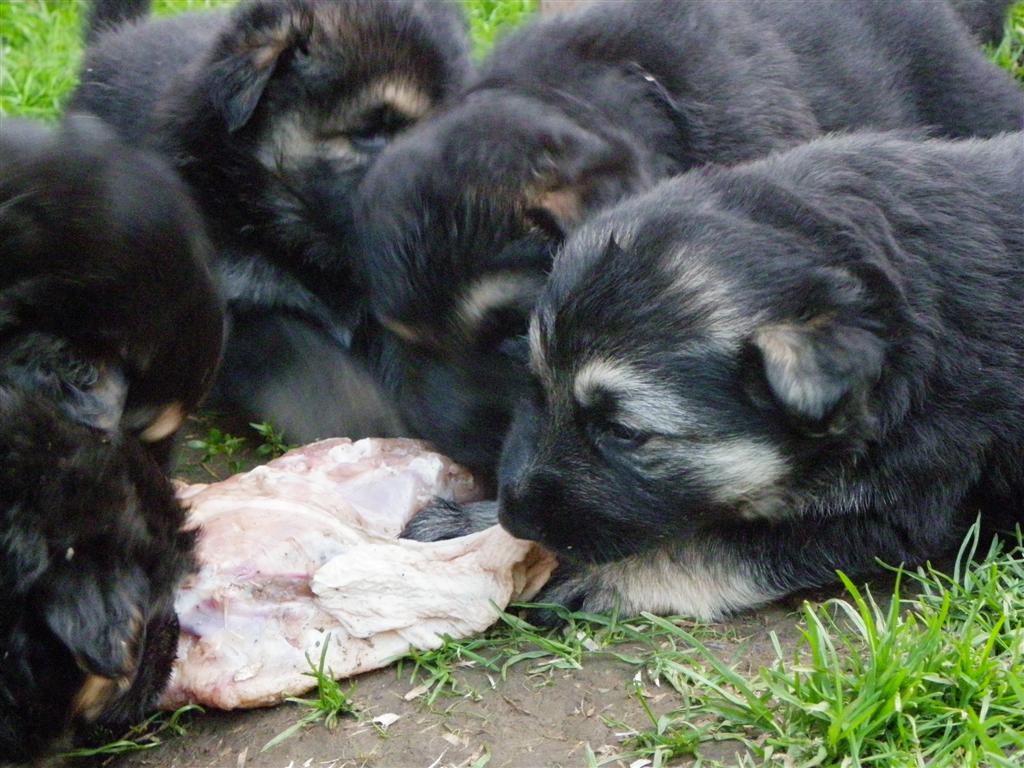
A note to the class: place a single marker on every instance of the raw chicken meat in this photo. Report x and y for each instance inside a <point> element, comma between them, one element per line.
<point>304,550</point>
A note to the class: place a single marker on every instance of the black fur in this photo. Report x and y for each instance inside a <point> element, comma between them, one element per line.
<point>108,314</point>
<point>985,18</point>
<point>90,554</point>
<point>272,113</point>
<point>104,15</point>
<point>748,379</point>
<point>107,305</point>
<point>573,113</point>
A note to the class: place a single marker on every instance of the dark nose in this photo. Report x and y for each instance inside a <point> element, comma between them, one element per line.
<point>527,506</point>
<point>519,525</point>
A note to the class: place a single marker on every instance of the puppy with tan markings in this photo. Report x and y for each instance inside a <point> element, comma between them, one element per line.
<point>460,217</point>
<point>272,112</point>
<point>747,379</point>
<point>110,333</point>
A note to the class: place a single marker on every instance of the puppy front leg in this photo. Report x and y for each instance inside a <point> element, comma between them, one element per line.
<point>733,568</point>
<point>687,579</point>
<point>290,372</point>
<point>443,519</point>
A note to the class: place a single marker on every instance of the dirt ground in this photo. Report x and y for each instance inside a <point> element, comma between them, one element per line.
<point>524,721</point>
<point>527,720</point>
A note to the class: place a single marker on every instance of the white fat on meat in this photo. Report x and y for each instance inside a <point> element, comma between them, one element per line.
<point>305,551</point>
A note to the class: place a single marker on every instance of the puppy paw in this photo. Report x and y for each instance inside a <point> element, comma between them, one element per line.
<point>442,519</point>
<point>573,587</point>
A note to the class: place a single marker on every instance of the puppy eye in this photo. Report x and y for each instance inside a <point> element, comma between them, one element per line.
<point>626,437</point>
<point>538,397</point>
<point>367,141</point>
<point>516,349</point>
<point>376,128</point>
<point>543,221</point>
<point>501,331</point>
<point>608,433</point>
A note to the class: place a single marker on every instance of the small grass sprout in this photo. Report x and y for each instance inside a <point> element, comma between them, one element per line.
<point>150,733</point>
<point>273,444</point>
<point>218,443</point>
<point>330,704</point>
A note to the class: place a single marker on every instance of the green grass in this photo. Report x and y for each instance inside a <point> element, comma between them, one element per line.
<point>488,18</point>
<point>1010,53</point>
<point>273,444</point>
<point>39,56</point>
<point>40,47</point>
<point>935,678</point>
<point>330,704</point>
<point>218,443</point>
<point>228,451</point>
<point>150,733</point>
<point>40,52</point>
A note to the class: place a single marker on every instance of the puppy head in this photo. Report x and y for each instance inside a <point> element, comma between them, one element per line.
<point>694,363</point>
<point>301,95</point>
<point>106,302</point>
<point>92,552</point>
<point>457,224</point>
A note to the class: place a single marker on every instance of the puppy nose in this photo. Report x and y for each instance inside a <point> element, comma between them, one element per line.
<point>527,505</point>
<point>518,525</point>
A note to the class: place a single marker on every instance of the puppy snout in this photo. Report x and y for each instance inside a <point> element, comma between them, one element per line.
<point>527,506</point>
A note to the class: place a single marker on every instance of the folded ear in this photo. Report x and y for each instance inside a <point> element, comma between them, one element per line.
<point>249,54</point>
<point>99,620</point>
<point>821,372</point>
<point>580,171</point>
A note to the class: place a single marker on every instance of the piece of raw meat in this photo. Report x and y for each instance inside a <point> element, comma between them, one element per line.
<point>304,550</point>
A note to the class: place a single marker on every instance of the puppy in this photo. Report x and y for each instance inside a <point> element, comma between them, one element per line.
<point>110,332</point>
<point>745,380</point>
<point>272,112</point>
<point>107,305</point>
<point>460,217</point>
<point>90,555</point>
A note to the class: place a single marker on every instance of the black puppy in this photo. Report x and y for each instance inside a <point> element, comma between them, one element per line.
<point>110,332</point>
<point>272,112</point>
<point>107,306</point>
<point>461,215</point>
<point>90,554</point>
<point>747,379</point>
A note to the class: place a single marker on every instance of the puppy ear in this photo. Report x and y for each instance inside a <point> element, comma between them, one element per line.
<point>99,620</point>
<point>580,171</point>
<point>821,372</point>
<point>250,54</point>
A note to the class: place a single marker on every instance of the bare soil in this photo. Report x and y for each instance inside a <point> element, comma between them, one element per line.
<point>524,721</point>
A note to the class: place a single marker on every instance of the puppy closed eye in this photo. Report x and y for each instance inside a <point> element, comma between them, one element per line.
<point>372,130</point>
<point>607,433</point>
<point>501,330</point>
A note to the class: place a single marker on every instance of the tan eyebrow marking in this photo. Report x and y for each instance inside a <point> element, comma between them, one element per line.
<point>643,403</point>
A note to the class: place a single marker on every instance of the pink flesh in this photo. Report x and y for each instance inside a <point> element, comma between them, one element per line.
<point>304,551</point>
